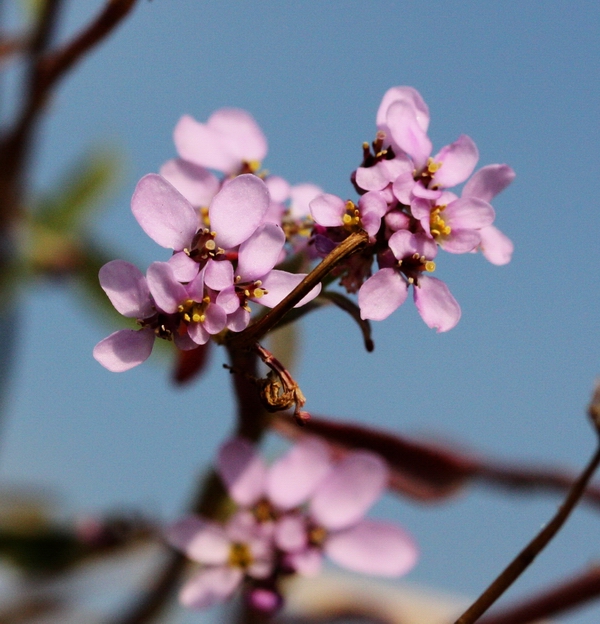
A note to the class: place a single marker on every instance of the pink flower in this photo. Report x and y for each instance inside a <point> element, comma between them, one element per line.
<point>387,289</point>
<point>337,495</point>
<point>485,185</point>
<point>227,553</point>
<point>229,139</point>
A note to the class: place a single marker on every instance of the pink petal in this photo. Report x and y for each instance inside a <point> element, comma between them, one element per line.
<point>279,284</point>
<point>164,213</point>
<point>403,186</point>
<point>210,587</point>
<point>306,562</point>
<point>290,533</point>
<point>327,210</point>
<point>410,96</point>
<point>124,349</point>
<point>496,246</point>
<point>197,332</point>
<point>260,253</point>
<point>197,184</point>
<point>404,244</point>
<point>407,133</point>
<point>216,319</point>
<point>279,188</point>
<point>458,161</point>
<point>218,274</point>
<point>228,300</point>
<point>468,213</point>
<point>349,490</point>
<point>437,307</point>
<point>381,294</point>
<point>242,136</point>
<point>370,547</point>
<point>294,477</point>
<point>488,182</point>
<point>238,320</point>
<point>184,268</point>
<point>126,288</point>
<point>300,197</point>
<point>461,241</point>
<point>168,293</point>
<point>242,470</point>
<point>202,541</point>
<point>238,209</point>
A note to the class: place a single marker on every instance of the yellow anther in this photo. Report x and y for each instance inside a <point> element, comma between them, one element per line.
<point>196,317</point>
<point>411,280</point>
<point>206,299</point>
<point>430,266</point>
<point>347,219</point>
<point>253,165</point>
<point>433,166</point>
<point>180,308</point>
<point>247,293</point>
<point>258,293</point>
<point>210,245</point>
<point>240,556</point>
<point>238,279</point>
<point>365,146</point>
<point>186,317</point>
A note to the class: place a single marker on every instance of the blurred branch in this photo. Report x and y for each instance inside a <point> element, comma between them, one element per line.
<point>431,472</point>
<point>550,602</point>
<point>522,561</point>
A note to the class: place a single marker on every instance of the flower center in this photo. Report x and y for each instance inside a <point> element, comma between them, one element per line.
<point>413,266</point>
<point>437,225</point>
<point>351,218</point>
<point>204,247</point>
<point>250,290</point>
<point>240,556</point>
<point>428,172</point>
<point>193,311</point>
<point>317,535</point>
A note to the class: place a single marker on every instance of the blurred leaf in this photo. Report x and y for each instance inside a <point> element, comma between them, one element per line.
<point>79,191</point>
<point>190,364</point>
<point>284,343</point>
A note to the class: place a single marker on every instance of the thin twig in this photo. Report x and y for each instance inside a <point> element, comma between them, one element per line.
<point>520,563</point>
<point>255,332</point>
<point>550,602</point>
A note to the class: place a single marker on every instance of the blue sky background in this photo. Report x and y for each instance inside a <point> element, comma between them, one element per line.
<point>512,380</point>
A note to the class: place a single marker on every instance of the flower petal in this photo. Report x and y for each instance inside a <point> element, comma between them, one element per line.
<point>327,210</point>
<point>124,349</point>
<point>184,268</point>
<point>216,319</point>
<point>436,305</point>
<point>458,161</point>
<point>407,133</point>
<point>370,547</point>
<point>218,274</point>
<point>126,288</point>
<point>381,294</point>
<point>349,490</point>
<point>279,284</point>
<point>300,197</point>
<point>164,213</point>
<point>293,478</point>
<point>168,293</point>
<point>410,96</point>
<point>496,246</point>
<point>488,182</point>
<point>242,470</point>
<point>197,184</point>
<point>203,541</point>
<point>210,587</point>
<point>468,213</point>
<point>260,253</point>
<point>238,209</point>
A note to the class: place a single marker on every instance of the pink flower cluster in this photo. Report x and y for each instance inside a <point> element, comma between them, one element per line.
<point>289,515</point>
<point>408,212</point>
<point>227,237</point>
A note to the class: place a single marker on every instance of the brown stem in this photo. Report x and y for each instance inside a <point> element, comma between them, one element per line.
<point>520,563</point>
<point>48,68</point>
<point>255,332</point>
<point>550,602</point>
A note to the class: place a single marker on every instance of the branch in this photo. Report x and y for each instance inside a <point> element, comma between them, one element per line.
<point>255,332</point>
<point>522,561</point>
<point>550,602</point>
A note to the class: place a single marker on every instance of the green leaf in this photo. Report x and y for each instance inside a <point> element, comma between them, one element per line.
<point>79,191</point>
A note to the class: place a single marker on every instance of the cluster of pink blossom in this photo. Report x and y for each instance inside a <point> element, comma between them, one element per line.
<point>408,212</point>
<point>227,236</point>
<point>288,516</point>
